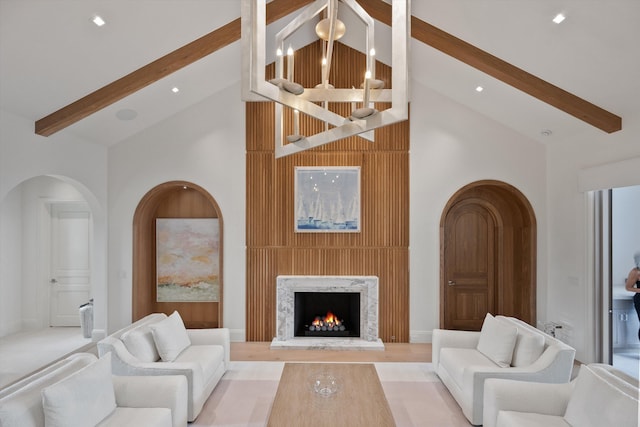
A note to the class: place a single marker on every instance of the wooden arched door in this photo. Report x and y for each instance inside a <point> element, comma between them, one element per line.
<point>173,200</point>
<point>488,250</point>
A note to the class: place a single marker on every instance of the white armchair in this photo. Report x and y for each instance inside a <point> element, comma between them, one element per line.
<point>599,396</point>
<point>159,345</point>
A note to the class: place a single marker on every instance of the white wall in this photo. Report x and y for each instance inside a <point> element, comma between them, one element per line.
<point>11,263</point>
<point>452,146</point>
<point>82,164</point>
<point>205,145</point>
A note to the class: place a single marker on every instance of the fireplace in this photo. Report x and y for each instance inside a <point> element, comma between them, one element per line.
<point>355,296</point>
<point>327,314</point>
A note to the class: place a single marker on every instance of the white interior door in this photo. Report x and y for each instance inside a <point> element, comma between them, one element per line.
<point>70,279</point>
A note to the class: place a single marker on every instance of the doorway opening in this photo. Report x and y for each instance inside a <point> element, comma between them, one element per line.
<point>488,256</point>
<point>615,242</point>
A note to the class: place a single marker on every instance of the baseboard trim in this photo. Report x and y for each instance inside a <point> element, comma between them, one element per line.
<point>420,336</point>
<point>237,335</point>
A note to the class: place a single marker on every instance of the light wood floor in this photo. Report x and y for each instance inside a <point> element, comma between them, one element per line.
<point>394,352</point>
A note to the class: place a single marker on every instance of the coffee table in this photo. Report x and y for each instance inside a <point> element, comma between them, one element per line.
<point>359,401</point>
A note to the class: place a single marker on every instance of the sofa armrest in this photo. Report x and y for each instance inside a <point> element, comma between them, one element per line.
<point>556,362</point>
<point>154,392</point>
<point>445,338</point>
<point>213,336</point>
<point>119,353</point>
<point>512,395</point>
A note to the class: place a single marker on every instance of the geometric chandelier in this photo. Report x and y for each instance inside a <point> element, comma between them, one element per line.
<point>314,101</point>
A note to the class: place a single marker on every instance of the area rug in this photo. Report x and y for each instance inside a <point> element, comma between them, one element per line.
<point>243,397</point>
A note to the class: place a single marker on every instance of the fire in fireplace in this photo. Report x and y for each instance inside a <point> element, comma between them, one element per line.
<point>327,314</point>
<point>327,323</point>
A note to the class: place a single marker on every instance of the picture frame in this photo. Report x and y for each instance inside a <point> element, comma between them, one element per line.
<point>327,199</point>
<point>187,260</point>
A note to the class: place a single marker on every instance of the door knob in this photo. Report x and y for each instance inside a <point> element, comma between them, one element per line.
<point>451,283</point>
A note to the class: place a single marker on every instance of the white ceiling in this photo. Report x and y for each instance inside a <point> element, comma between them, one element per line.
<point>51,54</point>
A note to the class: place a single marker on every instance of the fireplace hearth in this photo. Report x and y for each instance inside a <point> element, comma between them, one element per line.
<point>352,299</point>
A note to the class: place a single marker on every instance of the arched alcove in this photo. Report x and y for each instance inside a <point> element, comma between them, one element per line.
<point>179,200</point>
<point>488,256</point>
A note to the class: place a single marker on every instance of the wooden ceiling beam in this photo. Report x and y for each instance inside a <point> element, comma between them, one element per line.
<point>501,70</point>
<point>156,70</point>
<point>380,11</point>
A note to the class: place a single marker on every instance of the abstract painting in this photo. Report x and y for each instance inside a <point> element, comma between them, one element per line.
<point>187,259</point>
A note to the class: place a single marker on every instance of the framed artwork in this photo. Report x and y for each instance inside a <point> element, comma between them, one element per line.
<point>187,259</point>
<point>327,199</point>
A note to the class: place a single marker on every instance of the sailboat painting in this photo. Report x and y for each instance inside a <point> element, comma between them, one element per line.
<point>187,262</point>
<point>327,199</point>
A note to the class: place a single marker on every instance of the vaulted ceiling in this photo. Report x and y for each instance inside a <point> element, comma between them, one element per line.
<point>57,67</point>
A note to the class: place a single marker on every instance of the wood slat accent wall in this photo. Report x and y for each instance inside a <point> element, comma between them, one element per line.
<point>274,248</point>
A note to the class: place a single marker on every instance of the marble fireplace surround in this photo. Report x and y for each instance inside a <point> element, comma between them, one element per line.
<point>366,286</point>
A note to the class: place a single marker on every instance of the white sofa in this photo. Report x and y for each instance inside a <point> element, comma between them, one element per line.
<point>599,396</point>
<point>159,344</point>
<point>81,391</point>
<point>506,347</point>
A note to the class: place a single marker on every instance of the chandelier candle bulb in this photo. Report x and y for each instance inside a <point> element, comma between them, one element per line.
<point>325,80</point>
<point>296,122</point>
<point>290,64</point>
<point>365,102</point>
<point>280,69</point>
<point>370,60</point>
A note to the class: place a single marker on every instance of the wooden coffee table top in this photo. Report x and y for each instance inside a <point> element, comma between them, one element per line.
<point>359,402</point>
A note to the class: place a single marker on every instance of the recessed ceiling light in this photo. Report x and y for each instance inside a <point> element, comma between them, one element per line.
<point>97,19</point>
<point>558,18</point>
<point>175,89</point>
<point>479,88</point>
<point>546,132</point>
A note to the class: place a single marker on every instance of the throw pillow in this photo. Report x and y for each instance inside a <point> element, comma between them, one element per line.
<point>529,346</point>
<point>170,336</point>
<point>84,398</point>
<point>140,343</point>
<point>497,340</point>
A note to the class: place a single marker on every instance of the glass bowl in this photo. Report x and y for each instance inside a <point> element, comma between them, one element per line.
<point>324,384</point>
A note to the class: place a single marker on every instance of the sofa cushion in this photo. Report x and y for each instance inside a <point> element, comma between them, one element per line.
<point>497,340</point>
<point>208,357</point>
<point>528,348</point>
<point>139,417</point>
<point>139,342</point>
<point>170,337</point>
<point>84,398</point>
<point>456,360</point>
<point>600,398</point>
<point>527,419</point>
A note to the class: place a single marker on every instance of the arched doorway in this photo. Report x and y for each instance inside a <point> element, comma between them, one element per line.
<point>172,200</point>
<point>487,256</point>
